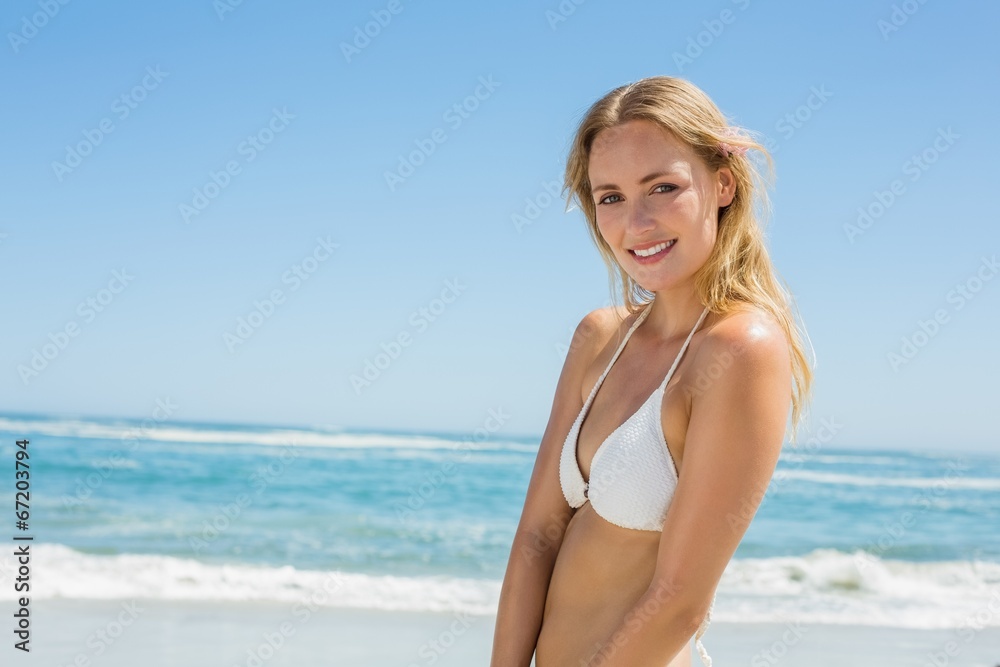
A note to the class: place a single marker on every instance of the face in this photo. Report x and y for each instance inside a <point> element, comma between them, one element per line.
<point>652,194</point>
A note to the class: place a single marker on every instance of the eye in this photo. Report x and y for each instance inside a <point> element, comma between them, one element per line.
<point>656,189</point>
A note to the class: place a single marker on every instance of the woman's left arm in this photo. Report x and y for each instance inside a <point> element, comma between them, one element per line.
<point>738,417</point>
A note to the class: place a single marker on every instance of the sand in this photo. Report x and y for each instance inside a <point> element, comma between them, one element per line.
<point>150,633</point>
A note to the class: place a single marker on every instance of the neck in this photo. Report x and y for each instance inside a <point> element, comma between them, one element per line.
<point>673,313</point>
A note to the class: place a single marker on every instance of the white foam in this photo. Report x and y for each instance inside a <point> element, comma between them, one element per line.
<point>128,433</point>
<point>830,586</point>
<point>864,459</point>
<point>61,572</point>
<point>943,483</point>
<point>824,586</point>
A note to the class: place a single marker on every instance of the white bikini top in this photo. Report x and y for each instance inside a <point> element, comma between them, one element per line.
<point>632,475</point>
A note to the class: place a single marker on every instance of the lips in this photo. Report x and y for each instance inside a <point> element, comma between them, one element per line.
<point>656,249</point>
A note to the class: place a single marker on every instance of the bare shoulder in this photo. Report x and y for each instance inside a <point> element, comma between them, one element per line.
<point>749,338</point>
<point>544,499</point>
<point>596,329</point>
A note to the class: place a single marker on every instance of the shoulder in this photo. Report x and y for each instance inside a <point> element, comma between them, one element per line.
<point>749,340</point>
<point>598,327</point>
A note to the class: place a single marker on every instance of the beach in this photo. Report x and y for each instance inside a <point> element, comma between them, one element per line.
<point>166,633</point>
<point>248,546</point>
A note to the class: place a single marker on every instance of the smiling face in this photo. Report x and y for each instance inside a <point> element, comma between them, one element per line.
<point>654,195</point>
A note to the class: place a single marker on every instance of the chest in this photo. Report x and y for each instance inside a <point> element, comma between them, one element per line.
<point>630,393</point>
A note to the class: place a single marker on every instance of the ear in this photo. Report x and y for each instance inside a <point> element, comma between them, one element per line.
<point>725,186</point>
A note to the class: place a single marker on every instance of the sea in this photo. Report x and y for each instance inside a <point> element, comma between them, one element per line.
<point>132,509</point>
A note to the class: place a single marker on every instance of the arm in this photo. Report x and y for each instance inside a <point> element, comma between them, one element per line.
<point>545,515</point>
<point>733,440</point>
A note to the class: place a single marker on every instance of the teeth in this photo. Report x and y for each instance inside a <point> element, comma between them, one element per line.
<point>654,249</point>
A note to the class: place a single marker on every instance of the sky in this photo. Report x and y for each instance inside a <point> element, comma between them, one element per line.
<point>244,207</point>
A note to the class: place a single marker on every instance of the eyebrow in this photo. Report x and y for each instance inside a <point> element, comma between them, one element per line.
<point>643,181</point>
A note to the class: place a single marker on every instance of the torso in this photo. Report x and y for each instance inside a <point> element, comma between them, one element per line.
<point>603,569</point>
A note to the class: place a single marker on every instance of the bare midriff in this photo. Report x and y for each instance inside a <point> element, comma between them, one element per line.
<point>601,572</point>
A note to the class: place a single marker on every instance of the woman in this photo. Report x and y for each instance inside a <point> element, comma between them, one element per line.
<point>669,415</point>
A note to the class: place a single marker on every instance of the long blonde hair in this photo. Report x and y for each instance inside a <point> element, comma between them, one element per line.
<point>739,269</point>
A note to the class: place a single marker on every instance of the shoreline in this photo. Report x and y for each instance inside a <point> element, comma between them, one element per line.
<point>114,633</point>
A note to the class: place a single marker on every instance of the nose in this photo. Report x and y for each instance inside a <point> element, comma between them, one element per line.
<point>640,217</point>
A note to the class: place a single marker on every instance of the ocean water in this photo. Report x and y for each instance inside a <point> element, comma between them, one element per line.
<point>123,509</point>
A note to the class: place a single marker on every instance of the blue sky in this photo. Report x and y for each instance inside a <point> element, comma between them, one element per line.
<point>172,168</point>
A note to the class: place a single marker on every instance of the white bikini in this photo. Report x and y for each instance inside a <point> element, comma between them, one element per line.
<point>632,475</point>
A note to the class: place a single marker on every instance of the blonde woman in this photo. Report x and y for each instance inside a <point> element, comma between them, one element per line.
<point>670,413</point>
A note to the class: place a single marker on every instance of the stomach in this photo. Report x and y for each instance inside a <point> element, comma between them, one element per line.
<point>600,573</point>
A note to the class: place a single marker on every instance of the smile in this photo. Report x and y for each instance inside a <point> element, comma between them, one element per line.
<point>653,253</point>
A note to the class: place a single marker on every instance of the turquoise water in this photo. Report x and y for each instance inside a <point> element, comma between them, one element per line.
<point>432,511</point>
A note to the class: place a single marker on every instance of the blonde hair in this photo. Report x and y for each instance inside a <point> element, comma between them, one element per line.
<point>739,269</point>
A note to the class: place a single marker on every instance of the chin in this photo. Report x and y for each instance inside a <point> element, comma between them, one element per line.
<point>659,284</point>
